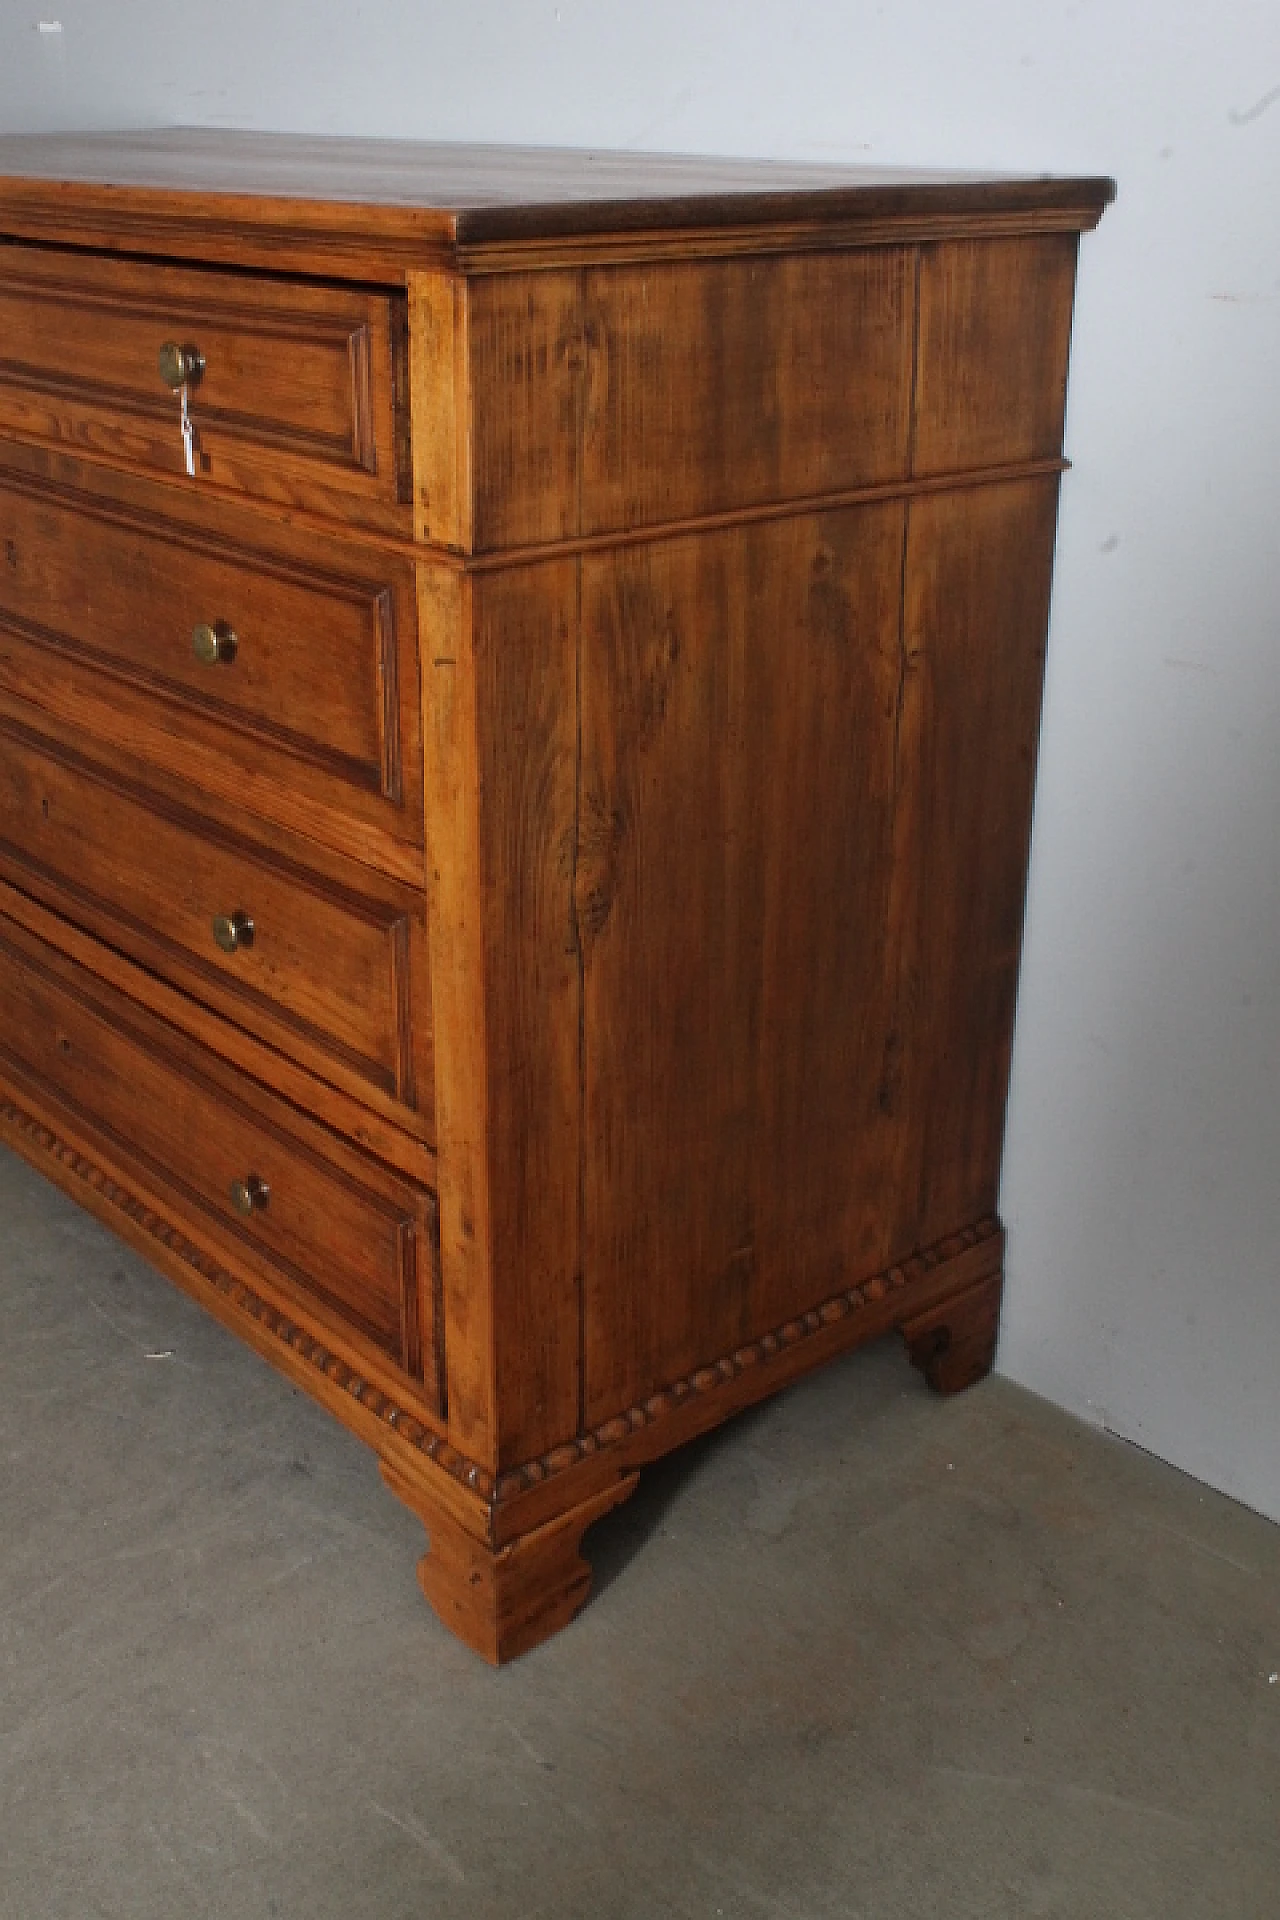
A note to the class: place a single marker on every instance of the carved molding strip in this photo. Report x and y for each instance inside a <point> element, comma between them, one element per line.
<point>761,513</point>
<point>468,1473</point>
<point>276,1323</point>
<point>777,235</point>
<point>706,1379</point>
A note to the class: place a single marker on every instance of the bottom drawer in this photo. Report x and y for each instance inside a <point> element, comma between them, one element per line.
<point>320,1223</point>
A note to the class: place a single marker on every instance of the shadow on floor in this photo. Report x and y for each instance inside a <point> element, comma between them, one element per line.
<point>614,1541</point>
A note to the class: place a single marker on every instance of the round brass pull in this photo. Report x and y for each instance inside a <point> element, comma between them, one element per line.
<point>233,931</point>
<point>180,366</point>
<point>214,644</point>
<point>250,1195</point>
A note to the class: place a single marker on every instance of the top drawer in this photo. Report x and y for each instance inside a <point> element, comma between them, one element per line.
<point>295,402</point>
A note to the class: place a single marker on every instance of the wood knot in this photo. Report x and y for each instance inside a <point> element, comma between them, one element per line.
<point>601,831</point>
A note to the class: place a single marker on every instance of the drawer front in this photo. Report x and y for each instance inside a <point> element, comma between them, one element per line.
<point>326,1225</point>
<point>299,664</point>
<point>328,967</point>
<point>295,395</point>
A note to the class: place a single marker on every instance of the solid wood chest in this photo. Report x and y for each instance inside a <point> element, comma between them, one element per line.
<point>519,685</point>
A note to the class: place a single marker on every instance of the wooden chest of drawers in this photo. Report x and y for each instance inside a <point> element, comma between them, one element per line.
<point>519,683</point>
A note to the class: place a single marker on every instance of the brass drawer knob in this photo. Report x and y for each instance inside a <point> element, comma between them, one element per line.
<point>180,366</point>
<point>214,644</point>
<point>233,931</point>
<point>250,1195</point>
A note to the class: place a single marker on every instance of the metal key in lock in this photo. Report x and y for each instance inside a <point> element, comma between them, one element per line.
<point>180,368</point>
<point>188,437</point>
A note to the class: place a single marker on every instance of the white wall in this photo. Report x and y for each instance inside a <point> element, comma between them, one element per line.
<point>1142,1183</point>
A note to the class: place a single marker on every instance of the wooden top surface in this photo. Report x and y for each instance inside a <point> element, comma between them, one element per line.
<point>406,191</point>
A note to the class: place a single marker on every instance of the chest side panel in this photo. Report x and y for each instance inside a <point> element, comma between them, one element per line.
<point>755,627</point>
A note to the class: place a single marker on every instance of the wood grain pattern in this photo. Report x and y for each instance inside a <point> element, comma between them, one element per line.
<point>337,1231</point>
<point>529,356</point>
<point>357,206</point>
<point>361,1385</point>
<point>837,1031</point>
<point>995,325</point>
<point>561,186</point>
<point>500,700</point>
<point>975,616</point>
<point>954,1344</point>
<point>815,231</point>
<point>329,973</point>
<point>526,643</point>
<point>379,1125</point>
<point>295,399</point>
<point>384,1409</point>
<point>926,1281</point>
<point>504,1601</point>
<point>624,397</point>
<point>459,957</point>
<point>736,854</point>
<point>726,384</point>
<point>319,704</point>
<point>640,570</point>
<point>440,393</point>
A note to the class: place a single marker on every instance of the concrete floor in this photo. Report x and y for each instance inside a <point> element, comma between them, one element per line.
<point>864,1653</point>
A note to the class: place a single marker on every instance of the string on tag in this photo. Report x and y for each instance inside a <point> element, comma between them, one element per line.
<point>188,435</point>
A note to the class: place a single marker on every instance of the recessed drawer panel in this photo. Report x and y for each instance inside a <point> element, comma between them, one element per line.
<point>298,663</point>
<point>324,963</point>
<point>291,389</point>
<point>320,1221</point>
